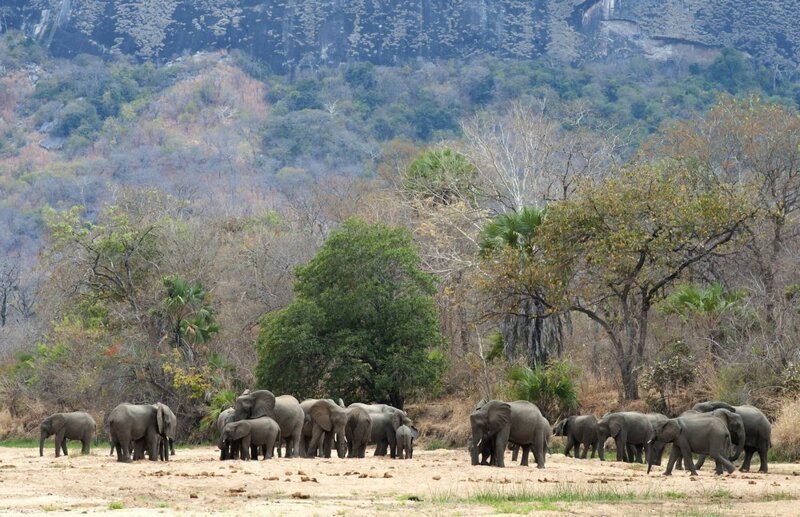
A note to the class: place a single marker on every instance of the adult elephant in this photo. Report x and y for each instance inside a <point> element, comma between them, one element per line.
<point>496,423</point>
<point>735,425</point>
<point>327,420</point>
<point>67,426</point>
<point>140,424</point>
<point>285,410</point>
<point>579,430</point>
<point>357,431</point>
<point>757,430</point>
<point>630,430</point>
<point>702,434</point>
<point>384,409</point>
<point>383,432</point>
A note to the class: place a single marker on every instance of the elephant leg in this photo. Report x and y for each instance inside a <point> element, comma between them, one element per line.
<point>327,444</point>
<point>763,447</point>
<point>500,449</point>
<point>392,446</point>
<point>748,456</point>
<point>673,457</point>
<point>722,463</point>
<point>570,445</point>
<point>85,444</point>
<point>316,436</point>
<point>514,452</point>
<point>59,442</point>
<point>639,450</point>
<point>700,460</point>
<point>245,449</point>
<point>621,442</point>
<point>526,449</point>
<point>586,451</point>
<point>687,457</point>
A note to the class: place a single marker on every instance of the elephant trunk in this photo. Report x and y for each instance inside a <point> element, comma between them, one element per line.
<point>739,444</point>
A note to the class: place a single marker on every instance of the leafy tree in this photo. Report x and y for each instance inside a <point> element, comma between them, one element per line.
<point>191,318</point>
<point>364,324</point>
<point>529,329</point>
<point>616,248</point>
<point>441,176</point>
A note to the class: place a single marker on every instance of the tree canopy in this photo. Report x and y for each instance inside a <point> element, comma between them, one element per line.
<point>364,325</point>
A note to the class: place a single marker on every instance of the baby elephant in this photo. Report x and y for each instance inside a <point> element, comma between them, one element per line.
<point>253,433</point>
<point>405,441</point>
<point>67,426</point>
<point>579,430</point>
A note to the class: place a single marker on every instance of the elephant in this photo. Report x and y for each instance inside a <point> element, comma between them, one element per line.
<point>384,409</point>
<point>405,441</point>
<point>251,434</point>
<point>656,449</point>
<point>383,432</point>
<point>700,434</point>
<point>67,426</point>
<point>357,431</point>
<point>632,432</point>
<point>140,424</point>
<point>327,419</point>
<point>496,423</point>
<point>166,447</point>
<point>285,410</point>
<point>231,447</point>
<point>735,425</point>
<point>579,430</point>
<point>757,430</point>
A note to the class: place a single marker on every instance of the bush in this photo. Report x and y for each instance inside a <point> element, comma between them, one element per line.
<point>786,432</point>
<point>550,387</point>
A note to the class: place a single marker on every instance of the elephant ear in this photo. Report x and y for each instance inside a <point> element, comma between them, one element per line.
<point>414,432</point>
<point>58,421</point>
<point>614,427</point>
<point>499,415</point>
<point>321,414</point>
<point>263,403</point>
<point>159,407</point>
<point>396,419</point>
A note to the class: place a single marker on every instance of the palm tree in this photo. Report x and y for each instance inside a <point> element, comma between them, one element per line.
<point>528,330</point>
<point>191,319</point>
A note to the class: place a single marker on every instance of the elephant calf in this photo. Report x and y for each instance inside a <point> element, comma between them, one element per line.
<point>405,441</point>
<point>579,430</point>
<point>67,426</point>
<point>254,433</point>
<point>701,435</point>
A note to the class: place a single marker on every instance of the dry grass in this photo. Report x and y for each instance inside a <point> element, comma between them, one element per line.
<point>786,430</point>
<point>445,420</point>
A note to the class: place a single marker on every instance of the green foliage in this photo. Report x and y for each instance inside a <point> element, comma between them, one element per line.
<point>689,299</point>
<point>364,323</point>
<point>552,387</point>
<point>441,176</point>
<point>223,400</point>
<point>515,230</point>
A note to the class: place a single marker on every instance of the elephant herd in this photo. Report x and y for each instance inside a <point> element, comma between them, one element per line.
<point>260,423</point>
<point>708,429</point>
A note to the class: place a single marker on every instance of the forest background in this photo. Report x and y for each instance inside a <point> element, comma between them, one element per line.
<point>589,236</point>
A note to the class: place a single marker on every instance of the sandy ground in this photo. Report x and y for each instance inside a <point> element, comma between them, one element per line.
<point>440,482</point>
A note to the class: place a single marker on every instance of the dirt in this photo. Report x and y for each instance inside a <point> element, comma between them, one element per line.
<point>433,482</point>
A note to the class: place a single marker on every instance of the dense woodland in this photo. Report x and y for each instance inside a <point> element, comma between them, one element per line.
<point>487,227</point>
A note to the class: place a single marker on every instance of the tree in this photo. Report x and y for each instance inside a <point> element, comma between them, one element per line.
<point>191,319</point>
<point>529,329</point>
<point>364,324</point>
<point>617,247</point>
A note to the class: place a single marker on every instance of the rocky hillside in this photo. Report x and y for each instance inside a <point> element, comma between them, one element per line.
<point>307,33</point>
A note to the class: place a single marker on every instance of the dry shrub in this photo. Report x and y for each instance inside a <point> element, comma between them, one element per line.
<point>445,421</point>
<point>786,431</point>
<point>598,396</point>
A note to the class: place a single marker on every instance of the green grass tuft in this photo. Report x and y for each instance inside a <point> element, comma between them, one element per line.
<point>435,444</point>
<point>116,505</point>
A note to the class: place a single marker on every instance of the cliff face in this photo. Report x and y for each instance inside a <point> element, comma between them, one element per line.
<point>292,33</point>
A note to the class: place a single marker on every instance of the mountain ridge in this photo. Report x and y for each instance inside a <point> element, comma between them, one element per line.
<point>308,33</point>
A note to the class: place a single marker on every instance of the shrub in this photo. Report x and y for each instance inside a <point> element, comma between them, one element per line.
<point>550,387</point>
<point>786,431</point>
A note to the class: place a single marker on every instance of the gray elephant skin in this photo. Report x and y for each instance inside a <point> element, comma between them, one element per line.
<point>357,431</point>
<point>632,432</point>
<point>67,426</point>
<point>140,424</point>
<point>327,420</point>
<point>166,448</point>
<point>251,434</point>
<point>385,421</point>
<point>757,430</point>
<point>579,430</point>
<point>702,434</point>
<point>735,426</point>
<point>285,410</point>
<point>496,423</point>
<point>228,449</point>
<point>405,441</point>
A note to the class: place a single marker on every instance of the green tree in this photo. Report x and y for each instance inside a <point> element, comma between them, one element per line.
<point>191,318</point>
<point>364,324</point>
<point>615,249</point>
<point>441,176</point>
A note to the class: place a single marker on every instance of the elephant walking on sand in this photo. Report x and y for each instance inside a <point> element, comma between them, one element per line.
<point>405,441</point>
<point>707,435</point>
<point>67,426</point>
<point>357,431</point>
<point>757,430</point>
<point>631,431</point>
<point>496,423</point>
<point>579,430</point>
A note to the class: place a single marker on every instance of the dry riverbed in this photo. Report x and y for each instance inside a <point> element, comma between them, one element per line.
<point>440,482</point>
